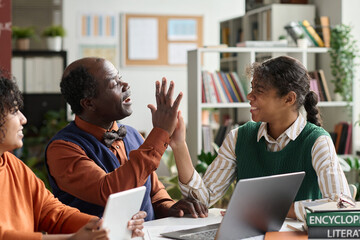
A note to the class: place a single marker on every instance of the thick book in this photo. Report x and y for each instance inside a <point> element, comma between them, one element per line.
<point>324,83</point>
<point>325,26</point>
<point>333,219</point>
<point>334,232</point>
<point>311,31</point>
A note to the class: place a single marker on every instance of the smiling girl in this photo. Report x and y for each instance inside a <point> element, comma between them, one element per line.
<point>278,140</point>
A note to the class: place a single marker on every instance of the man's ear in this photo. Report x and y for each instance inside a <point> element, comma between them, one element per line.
<point>87,104</point>
<point>290,98</point>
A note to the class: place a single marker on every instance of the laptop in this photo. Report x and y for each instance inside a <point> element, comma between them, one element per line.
<point>119,209</point>
<point>258,205</point>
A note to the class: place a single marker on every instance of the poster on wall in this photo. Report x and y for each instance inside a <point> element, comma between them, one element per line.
<point>143,39</point>
<point>98,25</point>
<point>182,30</point>
<point>107,52</point>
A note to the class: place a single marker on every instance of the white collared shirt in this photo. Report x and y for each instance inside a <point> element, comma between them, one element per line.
<point>222,172</point>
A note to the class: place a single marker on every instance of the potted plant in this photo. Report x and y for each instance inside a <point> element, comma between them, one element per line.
<point>54,35</point>
<point>22,36</point>
<point>302,41</point>
<point>343,51</point>
<point>283,40</point>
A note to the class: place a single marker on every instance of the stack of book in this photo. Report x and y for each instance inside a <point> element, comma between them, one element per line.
<point>223,87</point>
<point>326,221</point>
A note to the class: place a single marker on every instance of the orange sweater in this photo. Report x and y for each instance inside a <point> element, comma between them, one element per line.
<point>75,173</point>
<point>27,208</point>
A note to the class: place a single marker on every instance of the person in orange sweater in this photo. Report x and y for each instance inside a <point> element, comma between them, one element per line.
<point>85,166</point>
<point>28,210</point>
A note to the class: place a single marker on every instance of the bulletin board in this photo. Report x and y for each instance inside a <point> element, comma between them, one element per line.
<point>160,39</point>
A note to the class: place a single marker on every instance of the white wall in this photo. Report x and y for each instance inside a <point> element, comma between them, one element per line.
<point>142,79</point>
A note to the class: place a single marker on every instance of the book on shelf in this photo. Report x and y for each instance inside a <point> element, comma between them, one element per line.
<point>343,132</point>
<point>314,80</point>
<point>216,90</point>
<point>224,86</point>
<point>220,90</point>
<point>238,86</point>
<point>233,88</point>
<point>209,88</point>
<point>203,97</point>
<point>312,33</point>
<point>225,35</point>
<point>324,83</point>
<point>228,85</point>
<point>262,44</point>
<point>325,27</point>
<point>241,85</point>
<point>314,87</point>
<point>205,87</point>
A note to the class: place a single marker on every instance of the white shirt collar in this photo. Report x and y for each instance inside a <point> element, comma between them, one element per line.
<point>292,132</point>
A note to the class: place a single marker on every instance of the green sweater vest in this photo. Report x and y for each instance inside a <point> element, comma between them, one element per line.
<point>254,160</point>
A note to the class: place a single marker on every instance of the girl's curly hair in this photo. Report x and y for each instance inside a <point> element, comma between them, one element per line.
<point>10,99</point>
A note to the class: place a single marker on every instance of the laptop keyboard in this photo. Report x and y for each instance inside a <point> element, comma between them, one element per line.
<point>203,235</point>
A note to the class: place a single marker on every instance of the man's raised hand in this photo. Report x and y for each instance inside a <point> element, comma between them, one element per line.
<point>165,114</point>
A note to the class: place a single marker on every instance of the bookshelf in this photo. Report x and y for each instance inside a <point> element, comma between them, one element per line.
<point>332,111</point>
<point>264,23</point>
<point>38,74</point>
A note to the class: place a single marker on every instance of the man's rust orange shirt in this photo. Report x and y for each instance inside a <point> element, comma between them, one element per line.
<point>75,173</point>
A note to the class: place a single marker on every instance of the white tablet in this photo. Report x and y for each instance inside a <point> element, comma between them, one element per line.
<point>119,209</point>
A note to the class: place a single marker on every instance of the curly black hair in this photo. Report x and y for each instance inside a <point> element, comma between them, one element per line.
<point>287,74</point>
<point>10,99</point>
<point>76,85</point>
